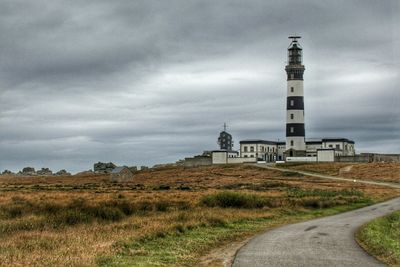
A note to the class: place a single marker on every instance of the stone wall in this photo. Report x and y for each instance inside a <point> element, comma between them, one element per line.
<point>198,161</point>
<point>355,158</point>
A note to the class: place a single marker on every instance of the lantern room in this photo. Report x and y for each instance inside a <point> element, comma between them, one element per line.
<point>294,51</point>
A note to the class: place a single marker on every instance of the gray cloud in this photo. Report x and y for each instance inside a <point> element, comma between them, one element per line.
<point>145,82</point>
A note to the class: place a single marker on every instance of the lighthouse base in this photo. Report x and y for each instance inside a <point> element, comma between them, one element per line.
<point>295,153</point>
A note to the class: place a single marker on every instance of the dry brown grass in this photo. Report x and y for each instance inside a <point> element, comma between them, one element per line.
<point>388,172</point>
<point>42,244</point>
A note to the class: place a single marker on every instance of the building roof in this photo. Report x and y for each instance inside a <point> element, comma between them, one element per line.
<point>257,141</point>
<point>337,139</point>
<point>119,169</point>
<point>225,150</point>
<point>311,141</point>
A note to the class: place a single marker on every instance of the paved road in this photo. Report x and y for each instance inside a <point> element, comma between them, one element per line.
<point>327,241</point>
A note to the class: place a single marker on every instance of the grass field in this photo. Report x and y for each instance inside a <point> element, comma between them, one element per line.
<point>383,172</point>
<point>381,238</point>
<point>165,217</point>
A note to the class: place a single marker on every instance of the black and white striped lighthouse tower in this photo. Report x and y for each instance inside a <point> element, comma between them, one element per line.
<point>295,131</point>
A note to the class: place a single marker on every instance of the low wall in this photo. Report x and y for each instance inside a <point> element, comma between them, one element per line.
<point>197,161</point>
<point>355,158</point>
<point>241,160</point>
<point>386,158</point>
<point>301,159</point>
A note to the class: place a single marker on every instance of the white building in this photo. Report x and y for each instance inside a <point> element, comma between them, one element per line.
<point>272,151</point>
<point>263,150</point>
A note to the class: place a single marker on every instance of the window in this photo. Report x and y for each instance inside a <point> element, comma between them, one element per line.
<point>291,89</point>
<point>245,156</point>
<point>337,146</point>
<point>292,116</point>
<point>252,149</point>
<point>291,129</point>
<point>291,103</point>
<point>245,149</point>
<point>291,143</point>
<point>251,156</point>
<point>330,146</point>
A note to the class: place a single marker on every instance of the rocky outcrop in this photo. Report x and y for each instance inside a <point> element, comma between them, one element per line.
<point>44,171</point>
<point>28,171</point>
<point>62,172</point>
<point>101,167</point>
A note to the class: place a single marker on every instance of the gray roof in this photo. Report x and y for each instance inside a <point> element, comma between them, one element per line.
<point>118,169</point>
<point>225,150</point>
<point>257,141</point>
<point>337,139</point>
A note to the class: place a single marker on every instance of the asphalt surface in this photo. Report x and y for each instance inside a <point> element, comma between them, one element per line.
<point>327,241</point>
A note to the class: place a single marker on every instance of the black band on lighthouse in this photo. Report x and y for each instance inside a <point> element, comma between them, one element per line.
<point>295,102</point>
<point>295,129</point>
<point>294,74</point>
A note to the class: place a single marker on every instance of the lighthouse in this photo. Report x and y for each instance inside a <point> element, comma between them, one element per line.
<point>295,131</point>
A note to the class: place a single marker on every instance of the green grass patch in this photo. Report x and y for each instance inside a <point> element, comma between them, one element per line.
<point>184,247</point>
<point>381,238</point>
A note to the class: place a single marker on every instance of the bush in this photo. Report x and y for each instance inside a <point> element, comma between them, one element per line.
<point>70,217</point>
<point>291,174</point>
<point>233,200</point>
<point>162,205</point>
<point>216,222</point>
<point>163,187</point>
<point>13,211</point>
<point>144,206</point>
<point>108,213</point>
<point>298,193</point>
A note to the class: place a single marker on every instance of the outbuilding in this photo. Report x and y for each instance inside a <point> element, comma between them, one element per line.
<point>121,174</point>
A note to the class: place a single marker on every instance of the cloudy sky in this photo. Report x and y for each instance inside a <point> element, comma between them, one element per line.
<point>146,82</point>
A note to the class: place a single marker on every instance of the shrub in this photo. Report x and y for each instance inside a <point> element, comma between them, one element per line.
<point>290,174</point>
<point>108,213</point>
<point>49,208</point>
<point>183,205</point>
<point>233,200</point>
<point>216,221</point>
<point>70,217</point>
<point>163,187</point>
<point>298,193</point>
<point>180,228</point>
<point>184,188</point>
<point>126,207</point>
<point>162,205</point>
<point>144,206</point>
